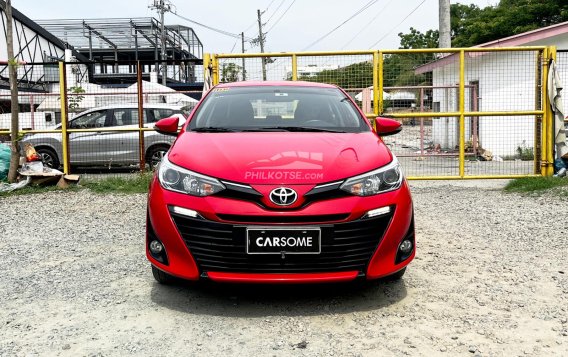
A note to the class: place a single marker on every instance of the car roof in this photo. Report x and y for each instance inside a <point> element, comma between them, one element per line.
<point>135,105</point>
<point>275,83</point>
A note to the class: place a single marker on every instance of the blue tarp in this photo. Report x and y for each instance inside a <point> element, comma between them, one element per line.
<point>5,153</point>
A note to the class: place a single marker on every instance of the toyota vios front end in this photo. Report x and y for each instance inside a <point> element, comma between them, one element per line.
<point>279,182</point>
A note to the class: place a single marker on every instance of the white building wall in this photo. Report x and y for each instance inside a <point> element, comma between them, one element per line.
<point>507,82</point>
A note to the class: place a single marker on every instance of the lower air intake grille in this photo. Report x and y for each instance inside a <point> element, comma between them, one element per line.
<point>222,247</point>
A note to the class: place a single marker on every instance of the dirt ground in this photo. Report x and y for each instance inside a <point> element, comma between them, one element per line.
<point>490,279</point>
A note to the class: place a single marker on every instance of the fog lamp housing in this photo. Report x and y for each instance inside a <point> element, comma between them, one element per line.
<point>156,247</point>
<point>407,245</point>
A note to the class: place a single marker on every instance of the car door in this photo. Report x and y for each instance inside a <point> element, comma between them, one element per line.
<point>85,148</point>
<point>122,146</point>
<point>154,114</point>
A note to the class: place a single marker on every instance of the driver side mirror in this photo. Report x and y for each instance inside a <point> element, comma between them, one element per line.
<point>167,126</point>
<point>387,126</point>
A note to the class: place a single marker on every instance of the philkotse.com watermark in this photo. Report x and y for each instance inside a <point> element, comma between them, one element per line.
<point>283,175</point>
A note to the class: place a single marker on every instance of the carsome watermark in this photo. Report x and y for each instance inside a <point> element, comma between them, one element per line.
<point>283,175</point>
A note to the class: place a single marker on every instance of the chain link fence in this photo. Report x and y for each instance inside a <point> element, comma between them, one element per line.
<point>103,123</point>
<point>466,113</point>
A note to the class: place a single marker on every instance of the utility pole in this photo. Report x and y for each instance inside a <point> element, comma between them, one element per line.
<point>162,6</point>
<point>261,42</point>
<point>445,40</point>
<point>12,63</point>
<point>243,50</point>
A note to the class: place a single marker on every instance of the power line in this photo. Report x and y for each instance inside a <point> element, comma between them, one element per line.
<point>367,24</point>
<point>275,11</point>
<point>254,22</point>
<point>234,45</point>
<point>265,10</point>
<point>222,32</point>
<point>281,16</point>
<point>391,30</point>
<point>366,6</point>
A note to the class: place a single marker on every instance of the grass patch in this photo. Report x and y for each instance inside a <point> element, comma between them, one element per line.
<point>137,183</point>
<point>536,184</point>
<point>30,190</point>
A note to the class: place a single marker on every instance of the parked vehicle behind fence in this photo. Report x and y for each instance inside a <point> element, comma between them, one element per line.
<point>109,148</point>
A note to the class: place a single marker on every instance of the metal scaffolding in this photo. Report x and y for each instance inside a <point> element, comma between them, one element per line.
<point>125,39</point>
<point>129,39</point>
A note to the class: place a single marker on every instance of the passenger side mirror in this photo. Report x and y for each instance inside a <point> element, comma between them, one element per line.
<point>386,126</point>
<point>167,126</point>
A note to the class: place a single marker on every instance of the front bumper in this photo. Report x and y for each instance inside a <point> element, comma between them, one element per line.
<point>213,246</point>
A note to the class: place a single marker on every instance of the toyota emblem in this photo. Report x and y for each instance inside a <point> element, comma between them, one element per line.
<point>283,196</point>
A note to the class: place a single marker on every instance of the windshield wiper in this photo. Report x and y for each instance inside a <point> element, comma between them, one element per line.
<point>213,129</point>
<point>304,128</point>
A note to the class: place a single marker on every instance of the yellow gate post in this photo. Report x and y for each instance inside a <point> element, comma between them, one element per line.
<point>214,69</point>
<point>550,124</point>
<point>63,100</point>
<point>547,156</point>
<point>294,67</point>
<point>462,111</point>
<point>380,66</point>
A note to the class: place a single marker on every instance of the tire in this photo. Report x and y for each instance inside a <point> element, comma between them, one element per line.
<point>155,154</point>
<point>396,276</point>
<point>48,157</point>
<point>161,277</point>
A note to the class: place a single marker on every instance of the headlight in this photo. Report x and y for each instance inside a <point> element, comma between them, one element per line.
<point>178,179</point>
<point>387,178</point>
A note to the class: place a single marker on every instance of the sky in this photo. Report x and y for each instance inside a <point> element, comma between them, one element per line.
<point>297,29</point>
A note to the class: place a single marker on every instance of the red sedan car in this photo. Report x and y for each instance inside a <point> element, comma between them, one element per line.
<point>279,182</point>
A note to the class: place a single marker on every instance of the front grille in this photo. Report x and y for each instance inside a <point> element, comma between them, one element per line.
<point>222,247</point>
<point>280,220</point>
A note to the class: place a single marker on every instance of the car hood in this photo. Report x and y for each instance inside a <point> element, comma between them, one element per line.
<point>280,158</point>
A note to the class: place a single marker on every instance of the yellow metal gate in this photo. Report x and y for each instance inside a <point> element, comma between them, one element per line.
<point>466,112</point>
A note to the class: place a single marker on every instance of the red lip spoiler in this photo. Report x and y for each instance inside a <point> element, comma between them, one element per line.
<point>296,278</point>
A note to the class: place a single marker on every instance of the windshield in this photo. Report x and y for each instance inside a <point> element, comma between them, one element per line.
<point>277,108</point>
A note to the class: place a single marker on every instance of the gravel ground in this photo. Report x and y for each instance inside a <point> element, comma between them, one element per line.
<point>490,279</point>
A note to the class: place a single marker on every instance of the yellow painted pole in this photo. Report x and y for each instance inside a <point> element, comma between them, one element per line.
<point>550,125</point>
<point>462,111</point>
<point>546,108</point>
<point>294,67</point>
<point>380,66</point>
<point>64,134</point>
<point>537,105</point>
<point>215,71</point>
<point>472,177</point>
<point>376,75</point>
<point>206,62</point>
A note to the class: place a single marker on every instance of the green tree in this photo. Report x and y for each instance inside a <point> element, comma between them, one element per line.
<point>472,25</point>
<point>356,75</point>
<point>230,72</point>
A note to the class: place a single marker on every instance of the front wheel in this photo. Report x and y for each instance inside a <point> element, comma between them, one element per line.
<point>48,157</point>
<point>396,276</point>
<point>155,154</point>
<point>162,277</point>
